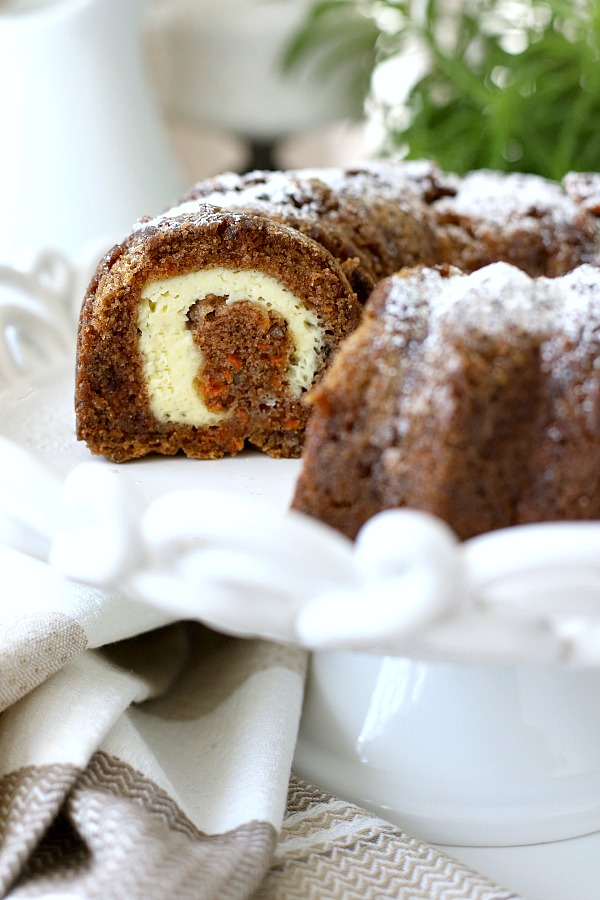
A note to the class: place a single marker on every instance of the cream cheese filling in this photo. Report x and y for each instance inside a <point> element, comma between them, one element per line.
<point>172,363</point>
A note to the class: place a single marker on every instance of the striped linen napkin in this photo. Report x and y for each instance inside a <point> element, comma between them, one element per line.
<point>146,758</point>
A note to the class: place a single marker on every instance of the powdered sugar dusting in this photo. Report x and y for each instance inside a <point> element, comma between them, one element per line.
<point>485,300</point>
<point>502,198</point>
<point>448,328</point>
<point>435,310</point>
<point>313,190</point>
<point>574,344</point>
<point>197,212</point>
<point>409,301</point>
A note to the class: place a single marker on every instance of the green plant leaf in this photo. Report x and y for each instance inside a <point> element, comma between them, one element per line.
<point>482,102</point>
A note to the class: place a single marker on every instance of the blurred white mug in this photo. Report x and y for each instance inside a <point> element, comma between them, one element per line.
<point>83,150</point>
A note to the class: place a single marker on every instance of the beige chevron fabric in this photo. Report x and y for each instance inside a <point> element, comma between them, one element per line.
<point>46,620</point>
<point>329,848</point>
<point>141,760</point>
<point>155,768</point>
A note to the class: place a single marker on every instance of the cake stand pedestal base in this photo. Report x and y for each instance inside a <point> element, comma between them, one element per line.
<point>456,754</point>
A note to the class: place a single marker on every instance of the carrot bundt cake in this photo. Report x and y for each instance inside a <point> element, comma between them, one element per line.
<point>528,221</point>
<point>475,397</point>
<point>206,327</point>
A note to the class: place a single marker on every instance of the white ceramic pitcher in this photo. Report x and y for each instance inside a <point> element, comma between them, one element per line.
<point>83,152</point>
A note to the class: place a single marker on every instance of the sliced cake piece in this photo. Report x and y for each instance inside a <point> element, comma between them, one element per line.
<point>203,332</point>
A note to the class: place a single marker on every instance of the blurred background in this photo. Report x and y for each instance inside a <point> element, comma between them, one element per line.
<point>240,71</point>
<point>505,84</point>
<point>112,108</point>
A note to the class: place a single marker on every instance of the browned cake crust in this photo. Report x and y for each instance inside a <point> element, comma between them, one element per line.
<point>327,239</point>
<point>524,220</point>
<point>328,236</point>
<point>371,218</point>
<point>112,405</point>
<point>472,397</point>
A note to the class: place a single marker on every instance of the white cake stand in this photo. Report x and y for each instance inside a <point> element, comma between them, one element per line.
<point>453,687</point>
<point>457,754</point>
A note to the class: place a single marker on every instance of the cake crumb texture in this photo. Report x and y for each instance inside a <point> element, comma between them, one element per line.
<point>475,397</point>
<point>205,329</point>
